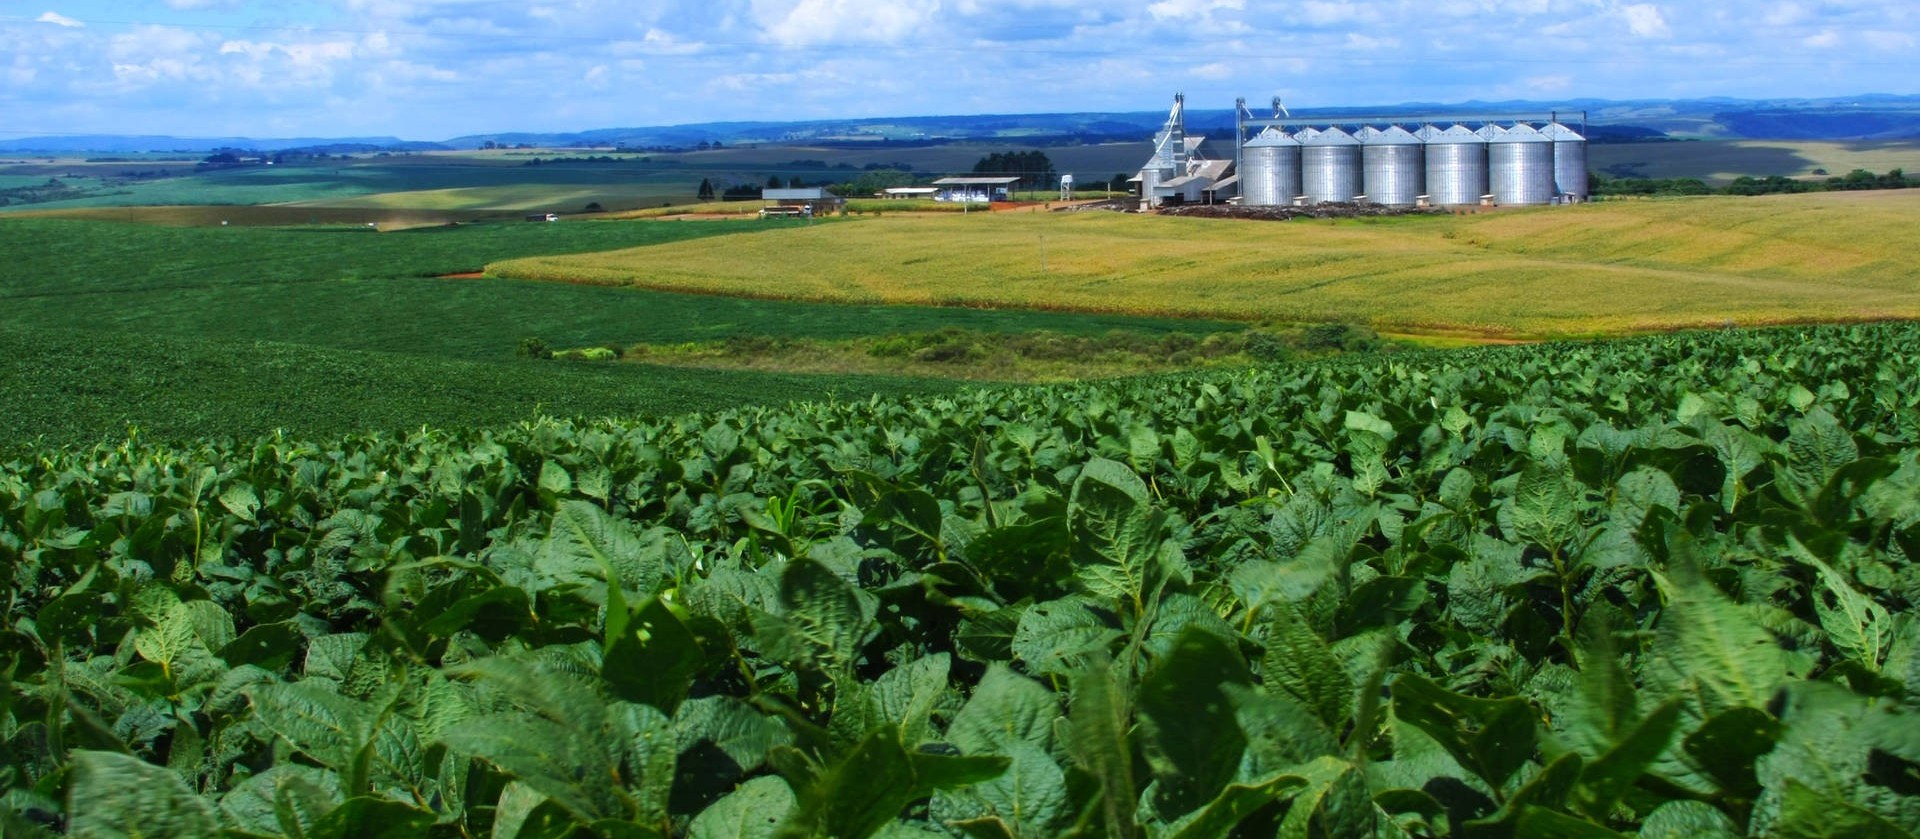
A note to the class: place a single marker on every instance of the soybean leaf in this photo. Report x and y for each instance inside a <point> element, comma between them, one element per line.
<point>113,795</point>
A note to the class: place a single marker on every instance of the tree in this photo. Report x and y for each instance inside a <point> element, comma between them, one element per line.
<point>1033,167</point>
<point>706,189</point>
<point>773,182</point>
<point>795,182</point>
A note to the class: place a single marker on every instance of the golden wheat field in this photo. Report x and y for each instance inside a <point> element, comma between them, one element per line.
<point>1595,269</point>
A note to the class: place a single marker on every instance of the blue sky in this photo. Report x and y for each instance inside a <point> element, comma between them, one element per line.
<point>432,69</point>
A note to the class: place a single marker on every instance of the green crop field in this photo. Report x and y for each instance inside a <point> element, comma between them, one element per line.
<point>1609,268</point>
<point>1720,161</point>
<point>217,308</point>
<point>1654,588</point>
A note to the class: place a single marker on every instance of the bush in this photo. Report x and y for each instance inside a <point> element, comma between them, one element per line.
<point>534,348</point>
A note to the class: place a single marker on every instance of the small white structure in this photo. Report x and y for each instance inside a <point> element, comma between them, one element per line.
<point>910,192</point>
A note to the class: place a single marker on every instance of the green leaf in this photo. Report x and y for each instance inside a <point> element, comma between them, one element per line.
<point>868,787</point>
<point>1860,628</point>
<point>1192,740</point>
<point>1098,722</point>
<point>269,646</point>
<point>904,697</point>
<point>753,811</point>
<point>1005,709</point>
<point>330,728</point>
<point>1545,509</point>
<point>650,758</point>
<point>1537,822</point>
<point>113,795</point>
<point>745,735</point>
<point>654,660</point>
<point>1706,642</point>
<point>1116,533</point>
<point>1233,805</point>
<point>241,501</point>
<point>1491,738</point>
<point>584,543</point>
<point>1607,778</point>
<point>823,622</point>
<point>1686,819</point>
<point>1807,814</point>
<point>1060,637</point>
<point>1300,664</point>
<point>1729,745</point>
<point>372,818</point>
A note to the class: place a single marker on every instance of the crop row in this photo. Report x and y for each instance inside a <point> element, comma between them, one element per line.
<point>1661,587</point>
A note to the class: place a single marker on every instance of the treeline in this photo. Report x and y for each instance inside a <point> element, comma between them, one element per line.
<point>1858,179</point>
<point>1033,167</point>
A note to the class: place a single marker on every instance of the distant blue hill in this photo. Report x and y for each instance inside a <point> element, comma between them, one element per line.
<point>1872,117</point>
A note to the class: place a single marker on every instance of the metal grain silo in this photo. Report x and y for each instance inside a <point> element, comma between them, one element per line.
<point>1456,166</point>
<point>1270,169</point>
<point>1394,166</point>
<point>1520,164</point>
<point>1569,162</point>
<point>1330,166</point>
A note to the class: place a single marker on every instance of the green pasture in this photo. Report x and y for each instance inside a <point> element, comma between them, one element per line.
<point>175,328</point>
<point>1720,161</point>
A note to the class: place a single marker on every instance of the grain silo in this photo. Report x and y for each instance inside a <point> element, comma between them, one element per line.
<point>1456,166</point>
<point>1520,165</point>
<point>1270,169</point>
<point>1393,166</point>
<point>1330,166</point>
<point>1569,163</point>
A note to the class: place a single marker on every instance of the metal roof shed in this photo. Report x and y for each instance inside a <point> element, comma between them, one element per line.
<point>976,189</point>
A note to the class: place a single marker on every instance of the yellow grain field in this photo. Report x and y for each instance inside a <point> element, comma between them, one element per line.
<point>1595,269</point>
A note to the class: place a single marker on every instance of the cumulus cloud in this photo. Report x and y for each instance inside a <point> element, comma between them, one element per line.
<point>58,19</point>
<point>812,22</point>
<point>1644,20</point>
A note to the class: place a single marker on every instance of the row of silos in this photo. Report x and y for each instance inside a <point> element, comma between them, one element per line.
<point>1392,166</point>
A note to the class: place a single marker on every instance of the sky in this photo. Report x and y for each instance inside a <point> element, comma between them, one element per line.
<point>435,69</point>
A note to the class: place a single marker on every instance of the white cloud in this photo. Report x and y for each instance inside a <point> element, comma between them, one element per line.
<point>1824,39</point>
<point>1192,10</point>
<point>1645,21</point>
<point>58,19</point>
<point>814,22</point>
<point>1888,41</point>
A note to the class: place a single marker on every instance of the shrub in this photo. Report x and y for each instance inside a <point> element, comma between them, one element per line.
<point>532,347</point>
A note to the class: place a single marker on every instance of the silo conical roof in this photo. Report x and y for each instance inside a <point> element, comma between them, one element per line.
<point>1272,137</point>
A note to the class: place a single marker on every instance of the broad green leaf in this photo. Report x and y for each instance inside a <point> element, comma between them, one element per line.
<point>1685,819</point>
<point>650,760</point>
<point>1192,740</point>
<point>330,728</point>
<point>1705,642</point>
<point>372,818</point>
<point>584,543</point>
<point>753,811</point>
<point>1300,664</point>
<point>1537,822</point>
<point>1492,738</point>
<point>1860,628</point>
<point>1807,814</point>
<point>743,734</point>
<point>822,624</point>
<point>112,795</point>
<point>1005,709</point>
<point>1729,745</point>
<point>1608,777</point>
<point>654,660</point>
<point>868,787</point>
<point>1233,805</point>
<point>1116,533</point>
<point>1098,722</point>
<point>904,697</point>
<point>1546,508</point>
<point>1059,637</point>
